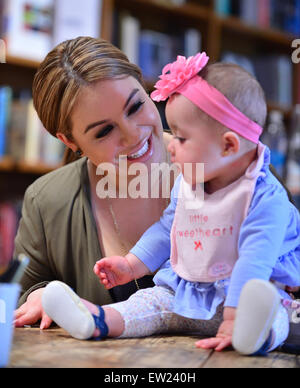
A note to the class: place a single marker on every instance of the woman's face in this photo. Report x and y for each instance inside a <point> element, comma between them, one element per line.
<point>116,117</point>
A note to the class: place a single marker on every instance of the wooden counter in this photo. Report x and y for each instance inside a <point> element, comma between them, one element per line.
<point>55,348</point>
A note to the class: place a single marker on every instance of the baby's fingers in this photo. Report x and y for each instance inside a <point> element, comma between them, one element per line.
<point>209,343</point>
<point>45,322</point>
<point>223,344</point>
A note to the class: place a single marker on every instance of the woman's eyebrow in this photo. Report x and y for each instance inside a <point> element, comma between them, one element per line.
<point>132,94</point>
<point>94,125</point>
<point>90,126</point>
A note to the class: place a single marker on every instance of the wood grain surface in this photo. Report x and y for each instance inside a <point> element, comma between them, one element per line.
<point>54,348</point>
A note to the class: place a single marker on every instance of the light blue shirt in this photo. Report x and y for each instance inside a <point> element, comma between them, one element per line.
<point>268,248</point>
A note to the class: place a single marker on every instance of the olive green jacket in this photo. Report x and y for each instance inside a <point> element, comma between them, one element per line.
<point>58,232</point>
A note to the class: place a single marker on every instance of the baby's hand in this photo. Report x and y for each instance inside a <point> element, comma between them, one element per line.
<point>224,336</point>
<point>222,339</point>
<point>113,271</point>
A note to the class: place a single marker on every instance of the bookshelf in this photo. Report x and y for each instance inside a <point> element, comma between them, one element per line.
<point>219,34</point>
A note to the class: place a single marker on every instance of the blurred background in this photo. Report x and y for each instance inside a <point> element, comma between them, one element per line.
<point>263,36</point>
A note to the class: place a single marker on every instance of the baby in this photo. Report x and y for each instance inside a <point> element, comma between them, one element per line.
<point>227,231</point>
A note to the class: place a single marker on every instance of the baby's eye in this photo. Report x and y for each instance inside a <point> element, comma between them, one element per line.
<point>181,139</point>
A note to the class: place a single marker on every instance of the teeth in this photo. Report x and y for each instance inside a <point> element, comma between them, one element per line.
<point>141,152</point>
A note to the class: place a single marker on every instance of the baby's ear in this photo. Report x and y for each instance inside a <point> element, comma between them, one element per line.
<point>230,143</point>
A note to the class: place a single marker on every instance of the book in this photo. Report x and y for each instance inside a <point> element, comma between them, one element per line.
<point>192,42</point>
<point>298,88</point>
<point>73,18</point>
<point>2,51</point>
<point>264,17</point>
<point>8,229</point>
<point>129,37</point>
<point>28,140</point>
<point>249,11</point>
<point>156,49</point>
<point>5,104</point>
<point>17,128</point>
<point>51,149</point>
<point>240,60</point>
<point>33,132</point>
<point>275,75</point>
<point>285,79</point>
<point>178,2</point>
<point>292,17</point>
<point>29,28</point>
<point>222,7</point>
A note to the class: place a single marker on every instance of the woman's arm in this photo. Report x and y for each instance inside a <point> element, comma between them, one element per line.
<point>31,241</point>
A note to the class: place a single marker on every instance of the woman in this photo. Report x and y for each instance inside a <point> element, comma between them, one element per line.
<point>88,95</point>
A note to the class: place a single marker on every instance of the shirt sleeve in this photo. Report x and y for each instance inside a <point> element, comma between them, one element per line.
<point>261,237</point>
<point>31,241</point>
<point>153,248</point>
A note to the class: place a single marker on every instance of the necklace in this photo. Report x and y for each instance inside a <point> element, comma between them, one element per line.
<point>117,229</point>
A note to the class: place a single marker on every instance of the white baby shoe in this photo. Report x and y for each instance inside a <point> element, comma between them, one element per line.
<point>255,314</point>
<point>66,309</point>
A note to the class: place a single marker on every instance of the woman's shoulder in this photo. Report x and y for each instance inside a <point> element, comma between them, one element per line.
<point>59,183</point>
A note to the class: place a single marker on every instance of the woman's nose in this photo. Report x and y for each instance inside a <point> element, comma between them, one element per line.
<point>130,135</point>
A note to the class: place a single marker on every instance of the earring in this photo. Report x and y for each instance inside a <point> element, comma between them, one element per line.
<point>78,153</point>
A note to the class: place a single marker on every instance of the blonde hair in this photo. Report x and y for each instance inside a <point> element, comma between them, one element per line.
<point>66,69</point>
<point>240,87</point>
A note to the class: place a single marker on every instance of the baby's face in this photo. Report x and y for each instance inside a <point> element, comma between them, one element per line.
<point>194,141</point>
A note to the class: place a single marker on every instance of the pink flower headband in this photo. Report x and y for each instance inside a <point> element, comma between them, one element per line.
<point>181,77</point>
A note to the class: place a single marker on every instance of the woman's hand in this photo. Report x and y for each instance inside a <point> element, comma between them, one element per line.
<point>32,311</point>
<point>113,271</point>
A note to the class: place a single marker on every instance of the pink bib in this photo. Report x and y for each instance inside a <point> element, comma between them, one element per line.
<point>204,239</point>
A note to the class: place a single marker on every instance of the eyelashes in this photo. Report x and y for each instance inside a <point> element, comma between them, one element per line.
<point>133,109</point>
<point>105,131</point>
<point>180,139</point>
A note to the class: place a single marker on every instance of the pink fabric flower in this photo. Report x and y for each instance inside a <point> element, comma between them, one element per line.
<point>176,74</point>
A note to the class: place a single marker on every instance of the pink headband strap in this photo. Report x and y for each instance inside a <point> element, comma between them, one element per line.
<point>181,77</point>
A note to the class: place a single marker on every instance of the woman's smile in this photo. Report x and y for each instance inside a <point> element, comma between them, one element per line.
<point>142,152</point>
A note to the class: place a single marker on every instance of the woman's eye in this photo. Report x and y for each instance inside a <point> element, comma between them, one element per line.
<point>105,131</point>
<point>135,107</point>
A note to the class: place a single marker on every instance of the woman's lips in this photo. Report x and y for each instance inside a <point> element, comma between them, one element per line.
<point>144,157</point>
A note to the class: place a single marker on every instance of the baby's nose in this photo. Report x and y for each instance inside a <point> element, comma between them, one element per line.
<point>171,147</point>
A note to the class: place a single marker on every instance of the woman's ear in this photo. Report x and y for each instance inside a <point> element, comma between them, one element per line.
<point>230,143</point>
<point>69,143</point>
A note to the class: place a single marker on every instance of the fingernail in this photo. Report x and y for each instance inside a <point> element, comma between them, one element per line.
<point>42,326</point>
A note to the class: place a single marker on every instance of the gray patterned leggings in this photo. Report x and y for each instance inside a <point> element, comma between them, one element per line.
<point>149,311</point>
